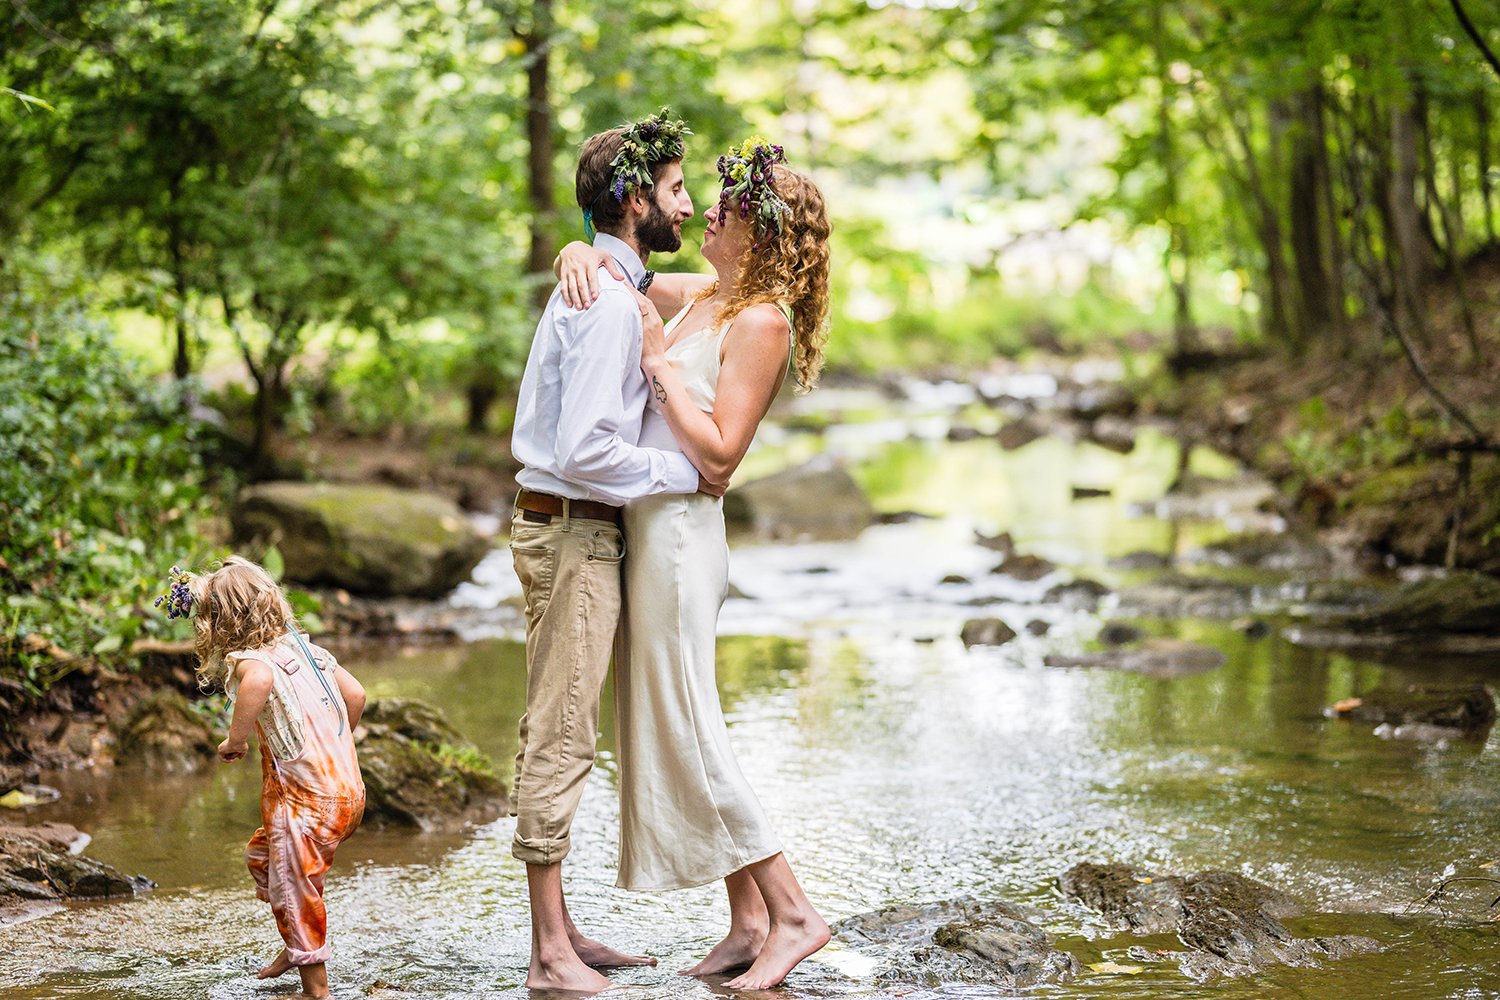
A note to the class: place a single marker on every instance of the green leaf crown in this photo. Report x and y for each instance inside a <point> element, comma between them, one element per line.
<point>651,140</point>
<point>747,178</point>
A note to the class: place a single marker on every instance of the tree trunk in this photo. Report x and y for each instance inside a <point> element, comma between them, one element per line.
<point>1177,259</point>
<point>1409,246</point>
<point>1315,306</point>
<point>1482,119</point>
<point>539,156</point>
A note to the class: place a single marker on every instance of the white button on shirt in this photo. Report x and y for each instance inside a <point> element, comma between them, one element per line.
<point>578,418</point>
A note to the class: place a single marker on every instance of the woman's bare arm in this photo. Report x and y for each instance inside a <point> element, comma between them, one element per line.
<point>755,358</point>
<point>577,268</point>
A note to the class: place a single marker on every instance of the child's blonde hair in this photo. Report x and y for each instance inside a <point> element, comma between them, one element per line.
<point>237,606</point>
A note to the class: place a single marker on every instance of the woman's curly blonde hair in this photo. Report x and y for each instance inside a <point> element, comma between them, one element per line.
<point>790,268</point>
<point>236,607</point>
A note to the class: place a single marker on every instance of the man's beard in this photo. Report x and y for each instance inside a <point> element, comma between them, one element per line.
<point>656,232</point>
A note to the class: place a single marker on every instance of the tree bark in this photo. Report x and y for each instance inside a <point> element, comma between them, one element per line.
<point>1315,307</point>
<point>1410,248</point>
<point>1177,258</point>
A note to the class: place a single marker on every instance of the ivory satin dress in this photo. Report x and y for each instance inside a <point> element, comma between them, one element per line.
<point>687,815</point>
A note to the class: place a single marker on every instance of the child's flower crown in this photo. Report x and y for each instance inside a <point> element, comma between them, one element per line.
<point>179,596</point>
<point>747,184</point>
<point>651,140</point>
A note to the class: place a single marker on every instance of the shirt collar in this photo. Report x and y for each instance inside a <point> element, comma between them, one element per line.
<point>621,251</point>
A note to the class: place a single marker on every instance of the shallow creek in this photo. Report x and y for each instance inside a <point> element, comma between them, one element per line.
<point>898,766</point>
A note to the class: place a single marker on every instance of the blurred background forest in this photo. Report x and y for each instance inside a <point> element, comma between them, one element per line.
<point>244,240</point>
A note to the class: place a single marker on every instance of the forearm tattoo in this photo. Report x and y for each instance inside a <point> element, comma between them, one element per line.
<point>659,389</point>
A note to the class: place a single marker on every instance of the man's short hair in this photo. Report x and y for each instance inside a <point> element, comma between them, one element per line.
<point>591,183</point>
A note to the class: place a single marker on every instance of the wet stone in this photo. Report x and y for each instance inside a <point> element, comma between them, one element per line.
<point>1024,567</point>
<point>1090,492</point>
<point>816,500</point>
<point>1230,924</point>
<point>995,543</point>
<point>41,864</point>
<point>1162,658</point>
<point>954,578</point>
<point>420,772</point>
<point>1037,627</point>
<point>958,941</point>
<point>1141,560</point>
<point>165,732</point>
<point>1082,594</point>
<point>986,632</point>
<point>1467,710</point>
<point>1119,634</point>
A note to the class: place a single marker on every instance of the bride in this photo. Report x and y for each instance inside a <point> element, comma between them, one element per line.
<point>687,815</point>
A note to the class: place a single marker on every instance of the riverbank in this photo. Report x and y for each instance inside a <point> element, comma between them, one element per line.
<point>1366,448</point>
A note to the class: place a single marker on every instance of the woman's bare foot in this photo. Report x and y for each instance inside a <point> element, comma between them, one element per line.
<point>564,972</point>
<point>789,942</point>
<point>602,956</point>
<point>280,966</point>
<point>738,950</point>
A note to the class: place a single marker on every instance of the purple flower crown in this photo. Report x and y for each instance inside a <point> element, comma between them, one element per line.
<point>179,596</point>
<point>746,173</point>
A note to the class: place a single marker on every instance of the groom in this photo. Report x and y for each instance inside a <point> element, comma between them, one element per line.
<point>578,419</point>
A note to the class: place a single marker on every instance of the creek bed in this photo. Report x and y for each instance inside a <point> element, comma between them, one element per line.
<point>896,765</point>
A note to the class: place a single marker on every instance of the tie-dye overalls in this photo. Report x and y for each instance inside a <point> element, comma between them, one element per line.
<point>312,796</point>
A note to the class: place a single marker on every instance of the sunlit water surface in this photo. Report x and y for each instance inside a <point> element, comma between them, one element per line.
<point>897,766</point>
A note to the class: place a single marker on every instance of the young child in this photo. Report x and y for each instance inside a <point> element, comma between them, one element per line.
<point>304,707</point>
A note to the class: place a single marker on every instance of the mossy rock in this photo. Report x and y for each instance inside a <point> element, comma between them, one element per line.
<point>816,500</point>
<point>164,732</point>
<point>420,773</point>
<point>375,540</point>
<point>1458,602</point>
<point>40,864</point>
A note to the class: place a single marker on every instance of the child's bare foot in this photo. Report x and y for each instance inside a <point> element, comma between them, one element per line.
<point>280,966</point>
<point>565,971</point>
<point>314,981</point>
<point>738,950</point>
<point>788,943</point>
<point>602,956</point>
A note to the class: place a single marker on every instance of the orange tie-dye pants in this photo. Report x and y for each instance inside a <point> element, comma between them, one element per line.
<point>288,857</point>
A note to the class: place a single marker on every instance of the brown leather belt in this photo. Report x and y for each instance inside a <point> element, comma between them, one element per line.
<point>546,503</point>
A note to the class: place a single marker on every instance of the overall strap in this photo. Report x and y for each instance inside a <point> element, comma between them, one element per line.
<point>337,700</point>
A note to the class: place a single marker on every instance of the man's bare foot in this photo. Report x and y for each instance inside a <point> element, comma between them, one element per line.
<point>738,950</point>
<point>602,956</point>
<point>564,972</point>
<point>788,943</point>
<point>280,966</point>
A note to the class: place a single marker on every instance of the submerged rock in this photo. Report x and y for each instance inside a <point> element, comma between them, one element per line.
<point>1024,567</point>
<point>1082,594</point>
<point>1464,710</point>
<point>1019,433</point>
<point>1119,634</point>
<point>40,866</point>
<point>368,539</point>
<point>1164,658</point>
<point>1230,924</point>
<point>164,732</point>
<point>419,772</point>
<point>986,632</point>
<point>1268,550</point>
<point>816,500</point>
<point>962,940</point>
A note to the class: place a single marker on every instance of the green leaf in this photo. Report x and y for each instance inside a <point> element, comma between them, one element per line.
<point>108,644</point>
<point>27,98</point>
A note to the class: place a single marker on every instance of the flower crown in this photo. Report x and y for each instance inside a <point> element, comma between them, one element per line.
<point>179,596</point>
<point>746,174</point>
<point>651,140</point>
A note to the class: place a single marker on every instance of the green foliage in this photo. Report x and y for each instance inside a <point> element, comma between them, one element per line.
<point>100,487</point>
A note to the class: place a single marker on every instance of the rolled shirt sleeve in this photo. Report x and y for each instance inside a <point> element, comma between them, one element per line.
<point>598,344</point>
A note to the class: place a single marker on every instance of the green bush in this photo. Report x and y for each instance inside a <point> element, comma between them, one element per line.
<point>100,488</point>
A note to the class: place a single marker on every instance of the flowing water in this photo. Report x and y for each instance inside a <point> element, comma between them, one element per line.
<point>897,766</point>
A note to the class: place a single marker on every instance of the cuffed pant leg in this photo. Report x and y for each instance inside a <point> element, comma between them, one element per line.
<point>570,575</point>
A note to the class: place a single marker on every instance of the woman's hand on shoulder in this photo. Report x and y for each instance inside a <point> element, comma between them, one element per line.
<point>577,267</point>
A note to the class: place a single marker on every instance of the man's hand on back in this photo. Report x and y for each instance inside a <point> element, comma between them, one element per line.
<point>712,489</point>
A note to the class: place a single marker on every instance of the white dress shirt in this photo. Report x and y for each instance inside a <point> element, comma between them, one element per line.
<point>578,418</point>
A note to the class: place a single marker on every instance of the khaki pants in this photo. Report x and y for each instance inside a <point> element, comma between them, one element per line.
<point>570,576</point>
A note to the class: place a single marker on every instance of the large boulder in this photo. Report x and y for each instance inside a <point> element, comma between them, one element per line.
<point>958,941</point>
<point>1230,924</point>
<point>40,866</point>
<point>1459,602</point>
<point>817,500</point>
<point>368,539</point>
<point>164,732</point>
<point>420,773</point>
